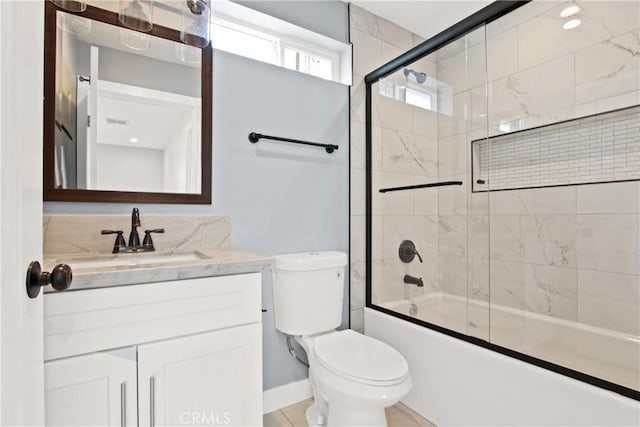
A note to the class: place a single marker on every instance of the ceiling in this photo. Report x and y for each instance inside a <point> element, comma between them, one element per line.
<point>141,122</point>
<point>423,17</point>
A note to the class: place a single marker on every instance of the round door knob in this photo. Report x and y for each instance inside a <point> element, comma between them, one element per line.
<point>60,278</point>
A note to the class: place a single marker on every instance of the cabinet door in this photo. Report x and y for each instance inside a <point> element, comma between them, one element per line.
<point>207,379</point>
<point>97,389</point>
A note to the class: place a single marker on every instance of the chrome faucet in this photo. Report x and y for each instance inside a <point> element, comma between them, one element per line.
<point>134,239</point>
<point>413,280</point>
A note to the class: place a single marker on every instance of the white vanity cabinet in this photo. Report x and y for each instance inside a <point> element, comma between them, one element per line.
<point>96,389</point>
<point>192,356</point>
<point>205,379</point>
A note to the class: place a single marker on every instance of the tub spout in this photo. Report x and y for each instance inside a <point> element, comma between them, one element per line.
<point>413,280</point>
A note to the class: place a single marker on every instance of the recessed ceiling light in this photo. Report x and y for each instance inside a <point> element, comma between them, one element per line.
<point>133,140</point>
<point>569,25</point>
<point>569,11</point>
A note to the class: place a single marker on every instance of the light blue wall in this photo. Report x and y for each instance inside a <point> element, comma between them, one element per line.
<point>281,198</point>
<point>325,17</point>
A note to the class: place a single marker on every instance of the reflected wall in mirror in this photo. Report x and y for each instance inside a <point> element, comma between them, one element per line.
<point>127,114</point>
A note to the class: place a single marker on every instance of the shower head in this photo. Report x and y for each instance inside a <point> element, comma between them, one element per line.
<point>419,76</point>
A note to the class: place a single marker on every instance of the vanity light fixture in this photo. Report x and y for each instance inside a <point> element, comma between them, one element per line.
<point>569,11</point>
<point>196,23</point>
<point>71,5</point>
<point>136,14</point>
<point>188,54</point>
<point>134,40</point>
<point>569,25</point>
<point>74,24</point>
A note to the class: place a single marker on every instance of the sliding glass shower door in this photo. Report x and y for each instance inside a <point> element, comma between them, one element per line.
<point>563,163</point>
<point>504,173</point>
<point>429,232</point>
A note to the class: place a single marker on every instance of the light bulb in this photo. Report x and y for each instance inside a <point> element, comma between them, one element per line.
<point>196,23</point>
<point>136,14</point>
<point>73,24</point>
<point>188,54</point>
<point>134,40</point>
<point>71,5</point>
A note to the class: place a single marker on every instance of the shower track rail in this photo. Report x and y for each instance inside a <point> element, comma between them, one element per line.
<point>414,187</point>
<point>255,137</point>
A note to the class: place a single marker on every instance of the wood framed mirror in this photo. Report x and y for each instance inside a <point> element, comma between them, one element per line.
<point>127,115</point>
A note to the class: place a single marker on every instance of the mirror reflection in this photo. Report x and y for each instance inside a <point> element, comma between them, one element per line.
<point>128,110</point>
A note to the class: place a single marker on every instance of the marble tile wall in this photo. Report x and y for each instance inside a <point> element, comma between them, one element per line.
<point>567,252</point>
<point>539,73</point>
<point>463,233</point>
<point>76,234</point>
<point>409,153</point>
<point>554,251</point>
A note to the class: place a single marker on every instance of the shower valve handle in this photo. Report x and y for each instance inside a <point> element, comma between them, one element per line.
<point>407,251</point>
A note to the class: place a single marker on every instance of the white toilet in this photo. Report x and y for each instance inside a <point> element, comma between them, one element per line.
<point>354,377</point>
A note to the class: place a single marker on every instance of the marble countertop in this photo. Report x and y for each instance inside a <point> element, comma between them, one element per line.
<point>207,263</point>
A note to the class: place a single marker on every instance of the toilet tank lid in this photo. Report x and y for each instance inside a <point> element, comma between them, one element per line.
<point>311,261</point>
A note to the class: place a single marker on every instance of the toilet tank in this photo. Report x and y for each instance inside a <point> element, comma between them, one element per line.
<point>308,290</point>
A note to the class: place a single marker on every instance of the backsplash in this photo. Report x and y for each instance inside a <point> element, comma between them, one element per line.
<point>67,234</point>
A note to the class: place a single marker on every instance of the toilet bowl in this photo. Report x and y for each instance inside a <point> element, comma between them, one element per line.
<point>353,377</point>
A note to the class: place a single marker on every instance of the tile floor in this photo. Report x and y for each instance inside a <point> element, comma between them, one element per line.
<point>294,416</point>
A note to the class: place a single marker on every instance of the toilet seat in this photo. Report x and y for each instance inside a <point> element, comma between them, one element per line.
<point>360,358</point>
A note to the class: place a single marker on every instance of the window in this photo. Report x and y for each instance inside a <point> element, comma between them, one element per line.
<point>244,41</point>
<point>422,97</point>
<point>245,38</point>
<point>309,63</point>
<point>419,99</point>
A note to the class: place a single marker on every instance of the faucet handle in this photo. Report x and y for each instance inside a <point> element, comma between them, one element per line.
<point>119,239</point>
<point>407,251</point>
<point>155,230</point>
<point>147,237</point>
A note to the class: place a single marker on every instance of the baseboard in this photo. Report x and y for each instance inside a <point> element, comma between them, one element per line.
<point>285,395</point>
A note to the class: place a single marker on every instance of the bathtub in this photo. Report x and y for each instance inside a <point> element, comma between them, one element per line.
<point>459,383</point>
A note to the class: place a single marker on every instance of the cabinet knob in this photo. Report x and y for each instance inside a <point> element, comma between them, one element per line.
<point>60,278</point>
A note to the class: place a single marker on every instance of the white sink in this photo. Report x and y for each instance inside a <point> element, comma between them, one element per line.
<point>89,262</point>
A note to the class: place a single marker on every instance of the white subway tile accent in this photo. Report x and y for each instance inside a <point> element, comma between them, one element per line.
<point>600,148</point>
